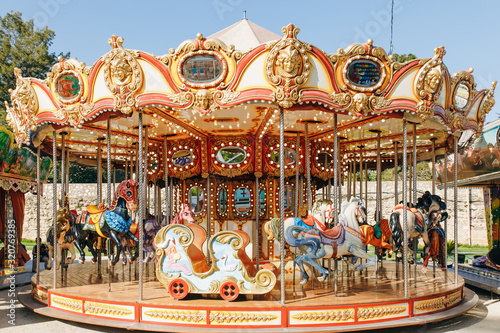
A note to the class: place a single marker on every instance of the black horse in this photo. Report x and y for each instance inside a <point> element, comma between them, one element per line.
<point>108,223</point>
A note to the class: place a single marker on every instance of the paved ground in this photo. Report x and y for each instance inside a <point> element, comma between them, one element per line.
<point>484,318</point>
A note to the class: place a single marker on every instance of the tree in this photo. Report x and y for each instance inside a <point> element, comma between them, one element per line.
<point>423,172</point>
<point>25,47</point>
<point>404,57</point>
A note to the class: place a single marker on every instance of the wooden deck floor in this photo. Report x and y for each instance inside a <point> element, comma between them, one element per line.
<point>83,281</point>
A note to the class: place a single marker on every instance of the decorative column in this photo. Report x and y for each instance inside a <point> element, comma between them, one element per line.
<point>455,207</point>
<point>54,204</point>
<point>433,165</point>
<point>38,239</point>
<point>282,198</point>
<point>108,168</point>
<point>308,170</point>
<point>396,188</point>
<point>142,193</point>
<point>405,212</point>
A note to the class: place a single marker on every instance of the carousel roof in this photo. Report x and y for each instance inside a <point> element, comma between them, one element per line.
<point>245,35</point>
<point>206,96</point>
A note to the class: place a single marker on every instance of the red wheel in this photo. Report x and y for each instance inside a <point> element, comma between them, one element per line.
<point>178,288</point>
<point>229,291</point>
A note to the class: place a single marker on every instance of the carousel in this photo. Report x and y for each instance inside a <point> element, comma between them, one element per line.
<point>246,157</point>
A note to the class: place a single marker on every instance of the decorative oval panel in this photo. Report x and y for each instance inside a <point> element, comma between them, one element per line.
<point>364,73</point>
<point>196,199</point>
<point>461,96</point>
<point>204,69</point>
<point>182,158</point>
<point>231,155</point>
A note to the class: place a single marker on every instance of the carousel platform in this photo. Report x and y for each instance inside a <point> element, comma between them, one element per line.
<point>361,302</point>
<point>481,277</point>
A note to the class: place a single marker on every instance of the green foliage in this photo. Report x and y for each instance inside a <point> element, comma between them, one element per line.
<point>450,246</point>
<point>25,47</point>
<point>404,57</point>
<point>423,172</point>
<point>86,175</point>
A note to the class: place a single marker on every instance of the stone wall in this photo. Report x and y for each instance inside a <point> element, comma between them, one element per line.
<point>471,222</point>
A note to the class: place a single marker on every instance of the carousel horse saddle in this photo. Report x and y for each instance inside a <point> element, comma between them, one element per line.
<point>385,229</point>
<point>334,235</point>
<point>95,213</point>
<point>310,221</point>
<point>419,217</point>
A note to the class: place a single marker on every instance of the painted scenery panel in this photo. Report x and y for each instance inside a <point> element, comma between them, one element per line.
<point>202,68</point>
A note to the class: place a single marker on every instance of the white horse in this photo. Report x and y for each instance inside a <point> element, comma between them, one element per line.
<point>317,242</point>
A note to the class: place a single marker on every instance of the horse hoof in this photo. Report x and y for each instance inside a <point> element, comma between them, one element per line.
<point>323,277</point>
<point>303,281</point>
<point>131,261</point>
<point>93,262</point>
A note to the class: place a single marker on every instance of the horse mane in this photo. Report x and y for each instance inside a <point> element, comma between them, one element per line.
<point>119,190</point>
<point>316,207</point>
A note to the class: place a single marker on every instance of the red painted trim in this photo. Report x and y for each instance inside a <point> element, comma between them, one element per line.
<point>162,68</point>
<point>399,73</point>
<point>328,66</point>
<point>97,66</point>
<point>242,64</point>
<point>47,91</point>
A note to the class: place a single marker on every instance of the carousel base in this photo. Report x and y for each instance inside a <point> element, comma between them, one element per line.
<point>361,302</point>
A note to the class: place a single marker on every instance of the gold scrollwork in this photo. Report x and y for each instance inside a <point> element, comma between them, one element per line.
<point>341,98</point>
<point>225,96</point>
<point>329,315</point>
<point>378,312</point>
<point>485,107</point>
<point>187,316</point>
<point>182,98</point>
<point>429,82</point>
<point>229,317</point>
<point>288,66</point>
<point>103,309</point>
<point>123,75</point>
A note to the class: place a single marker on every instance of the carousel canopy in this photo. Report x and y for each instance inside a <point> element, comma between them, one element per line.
<point>216,106</point>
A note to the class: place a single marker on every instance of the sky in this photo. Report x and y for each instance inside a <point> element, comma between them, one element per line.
<point>469,30</point>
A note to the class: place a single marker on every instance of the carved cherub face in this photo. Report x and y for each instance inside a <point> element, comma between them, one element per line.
<point>360,102</point>
<point>203,99</point>
<point>121,71</point>
<point>433,81</point>
<point>288,61</point>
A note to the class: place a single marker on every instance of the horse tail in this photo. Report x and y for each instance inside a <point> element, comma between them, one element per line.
<point>312,243</point>
<point>397,232</point>
<point>50,235</point>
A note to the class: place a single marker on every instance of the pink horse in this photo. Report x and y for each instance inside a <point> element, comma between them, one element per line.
<point>183,215</point>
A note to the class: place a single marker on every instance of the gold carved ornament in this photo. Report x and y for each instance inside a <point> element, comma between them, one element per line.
<point>288,67</point>
<point>485,107</point>
<point>360,100</point>
<point>429,82</point>
<point>122,75</point>
<point>70,95</point>
<point>22,117</point>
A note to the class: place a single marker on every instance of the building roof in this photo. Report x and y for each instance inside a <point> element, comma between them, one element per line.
<point>245,35</point>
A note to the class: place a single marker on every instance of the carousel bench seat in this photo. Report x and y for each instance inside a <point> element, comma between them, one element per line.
<point>195,251</point>
<point>242,255</point>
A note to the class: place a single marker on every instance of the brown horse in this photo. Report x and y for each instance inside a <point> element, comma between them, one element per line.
<point>438,246</point>
<point>369,237</point>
